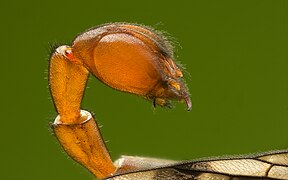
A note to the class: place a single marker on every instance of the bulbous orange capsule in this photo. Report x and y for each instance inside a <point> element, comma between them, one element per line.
<point>131,58</point>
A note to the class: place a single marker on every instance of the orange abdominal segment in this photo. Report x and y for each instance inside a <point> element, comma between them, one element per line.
<point>67,82</point>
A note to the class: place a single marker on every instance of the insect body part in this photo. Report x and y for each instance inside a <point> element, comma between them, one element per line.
<point>126,57</point>
<point>137,60</point>
<point>133,59</point>
<point>270,165</point>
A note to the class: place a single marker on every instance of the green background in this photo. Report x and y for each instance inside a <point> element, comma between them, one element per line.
<point>234,51</point>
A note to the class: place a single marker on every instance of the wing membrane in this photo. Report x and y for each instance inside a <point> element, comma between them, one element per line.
<point>271,165</point>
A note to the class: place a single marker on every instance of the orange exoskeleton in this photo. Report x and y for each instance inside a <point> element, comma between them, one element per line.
<point>133,59</point>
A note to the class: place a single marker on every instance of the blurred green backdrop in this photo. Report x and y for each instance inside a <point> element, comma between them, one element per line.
<point>235,52</point>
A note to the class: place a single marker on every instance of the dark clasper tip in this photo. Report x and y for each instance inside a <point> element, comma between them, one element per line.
<point>188,103</point>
